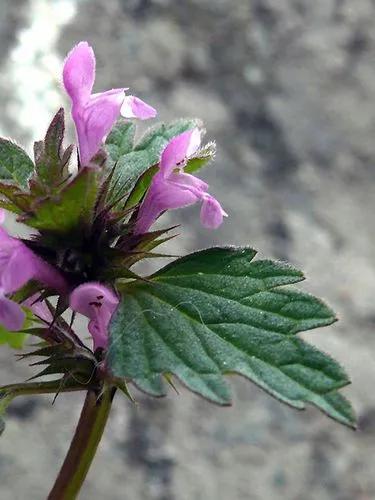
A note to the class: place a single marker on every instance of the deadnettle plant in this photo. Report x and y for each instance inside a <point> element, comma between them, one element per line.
<point>215,312</point>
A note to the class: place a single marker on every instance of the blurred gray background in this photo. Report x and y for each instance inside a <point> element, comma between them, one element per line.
<point>287,89</point>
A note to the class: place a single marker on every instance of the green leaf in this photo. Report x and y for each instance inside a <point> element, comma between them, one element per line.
<point>15,340</point>
<point>15,164</point>
<point>157,137</point>
<point>133,161</point>
<point>128,168</point>
<point>120,141</point>
<point>218,312</point>
<point>68,209</point>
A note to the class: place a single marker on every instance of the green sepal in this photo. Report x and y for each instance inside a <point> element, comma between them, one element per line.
<point>48,154</point>
<point>201,158</point>
<point>69,209</point>
<point>16,200</point>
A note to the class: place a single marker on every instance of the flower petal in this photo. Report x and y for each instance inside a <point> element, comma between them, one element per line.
<point>99,331</point>
<point>38,307</point>
<point>188,180</point>
<point>98,303</point>
<point>211,213</point>
<point>79,72</point>
<point>195,142</point>
<point>83,297</point>
<point>162,195</point>
<point>49,275</point>
<point>95,120</point>
<point>133,107</point>
<point>19,270</point>
<point>175,152</point>
<point>11,314</point>
<point>8,245</point>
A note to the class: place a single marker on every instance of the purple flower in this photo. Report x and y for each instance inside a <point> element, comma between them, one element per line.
<point>95,114</point>
<point>18,265</point>
<point>98,303</point>
<point>172,188</point>
<point>38,307</point>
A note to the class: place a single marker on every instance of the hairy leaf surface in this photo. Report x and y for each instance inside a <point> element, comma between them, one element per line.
<point>15,164</point>
<point>218,312</point>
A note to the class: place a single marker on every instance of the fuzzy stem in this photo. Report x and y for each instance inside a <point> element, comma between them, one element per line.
<point>34,388</point>
<point>83,447</point>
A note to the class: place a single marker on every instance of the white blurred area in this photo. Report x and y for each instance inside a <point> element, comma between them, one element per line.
<point>31,76</point>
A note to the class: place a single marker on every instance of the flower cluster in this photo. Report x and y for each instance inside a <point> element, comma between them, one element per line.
<point>27,261</point>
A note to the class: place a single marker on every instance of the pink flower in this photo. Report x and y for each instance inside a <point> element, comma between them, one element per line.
<point>172,188</point>
<point>98,303</point>
<point>18,265</point>
<point>95,114</point>
<point>38,307</point>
